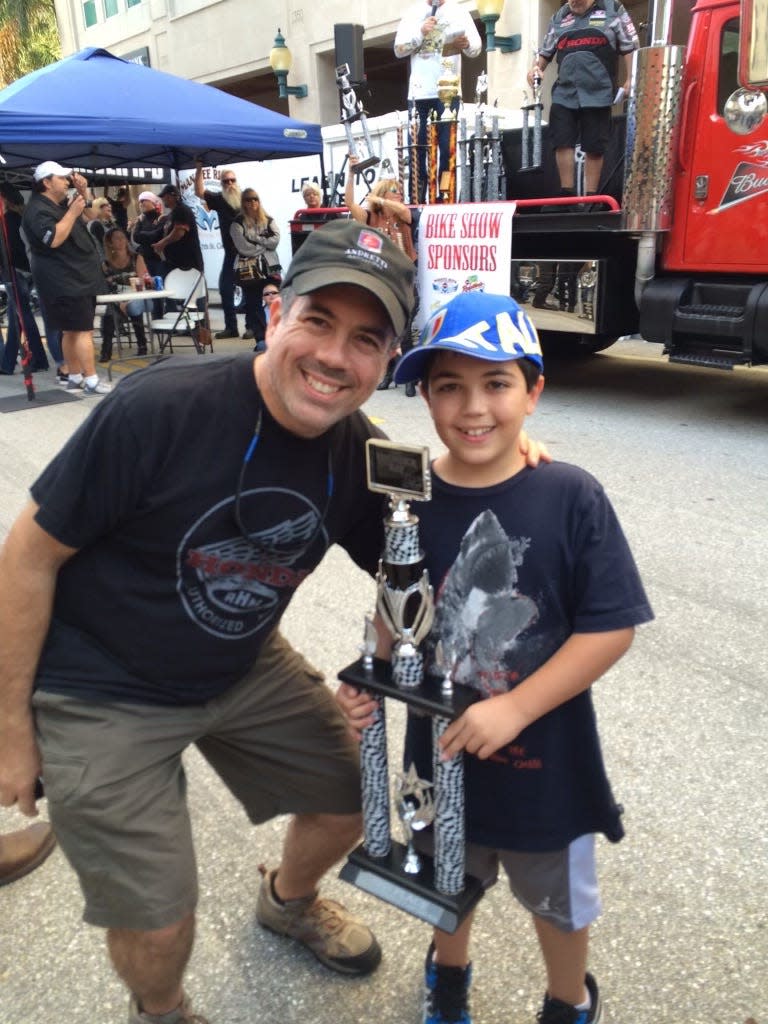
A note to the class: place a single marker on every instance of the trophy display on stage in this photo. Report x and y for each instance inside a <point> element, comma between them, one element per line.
<point>351,111</point>
<point>433,888</point>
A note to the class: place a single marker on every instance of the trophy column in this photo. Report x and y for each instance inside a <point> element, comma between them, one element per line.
<point>435,889</point>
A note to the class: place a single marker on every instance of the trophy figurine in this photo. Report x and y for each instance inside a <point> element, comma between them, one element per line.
<point>435,889</point>
<point>416,810</point>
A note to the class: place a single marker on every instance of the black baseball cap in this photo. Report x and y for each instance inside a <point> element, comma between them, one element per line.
<point>169,190</point>
<point>347,252</point>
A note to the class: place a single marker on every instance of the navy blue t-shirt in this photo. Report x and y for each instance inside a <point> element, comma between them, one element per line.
<point>517,568</point>
<point>169,598</point>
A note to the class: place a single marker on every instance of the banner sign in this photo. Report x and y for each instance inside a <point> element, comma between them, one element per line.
<point>462,248</point>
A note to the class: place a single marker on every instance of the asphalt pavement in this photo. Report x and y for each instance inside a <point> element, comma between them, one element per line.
<point>684,937</point>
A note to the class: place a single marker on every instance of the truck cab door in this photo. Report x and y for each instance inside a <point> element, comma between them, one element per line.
<point>721,212</point>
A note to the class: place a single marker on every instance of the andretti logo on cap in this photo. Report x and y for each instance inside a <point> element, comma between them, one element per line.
<point>371,241</point>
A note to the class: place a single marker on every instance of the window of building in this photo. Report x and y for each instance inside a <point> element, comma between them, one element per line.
<point>110,8</point>
<point>89,13</point>
<point>132,3</point>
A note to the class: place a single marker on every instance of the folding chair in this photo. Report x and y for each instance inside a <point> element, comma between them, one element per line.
<point>188,287</point>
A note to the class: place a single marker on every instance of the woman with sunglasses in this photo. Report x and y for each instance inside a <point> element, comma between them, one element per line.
<point>255,233</point>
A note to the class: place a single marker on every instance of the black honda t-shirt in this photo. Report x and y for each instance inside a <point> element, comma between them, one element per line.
<point>168,599</point>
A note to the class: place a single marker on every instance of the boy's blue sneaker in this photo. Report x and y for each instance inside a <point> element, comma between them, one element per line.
<point>554,1011</point>
<point>446,1000</point>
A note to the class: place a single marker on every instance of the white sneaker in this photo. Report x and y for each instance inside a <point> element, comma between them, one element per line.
<point>99,388</point>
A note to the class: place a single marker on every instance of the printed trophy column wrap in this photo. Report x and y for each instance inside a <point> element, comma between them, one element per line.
<point>375,785</point>
<point>403,567</point>
<point>449,816</point>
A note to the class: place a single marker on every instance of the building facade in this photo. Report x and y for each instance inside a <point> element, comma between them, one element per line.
<point>227,43</point>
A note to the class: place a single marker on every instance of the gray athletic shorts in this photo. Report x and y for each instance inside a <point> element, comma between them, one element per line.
<point>560,887</point>
<point>116,785</point>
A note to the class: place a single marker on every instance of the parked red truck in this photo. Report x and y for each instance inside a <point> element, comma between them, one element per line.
<point>684,261</point>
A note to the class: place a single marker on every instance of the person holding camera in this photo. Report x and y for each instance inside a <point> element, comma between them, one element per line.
<point>255,234</point>
<point>66,267</point>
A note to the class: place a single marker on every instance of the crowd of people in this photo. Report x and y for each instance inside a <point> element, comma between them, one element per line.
<point>106,248</point>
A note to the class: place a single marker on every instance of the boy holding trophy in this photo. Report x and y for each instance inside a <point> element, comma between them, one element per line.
<point>537,595</point>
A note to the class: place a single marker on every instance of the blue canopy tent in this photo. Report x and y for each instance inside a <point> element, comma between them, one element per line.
<point>93,110</point>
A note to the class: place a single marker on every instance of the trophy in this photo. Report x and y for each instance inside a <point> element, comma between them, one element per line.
<point>352,110</point>
<point>433,888</point>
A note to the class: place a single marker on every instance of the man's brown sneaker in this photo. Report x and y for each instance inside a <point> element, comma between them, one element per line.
<point>338,940</point>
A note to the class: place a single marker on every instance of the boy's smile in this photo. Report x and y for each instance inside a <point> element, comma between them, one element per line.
<point>479,408</point>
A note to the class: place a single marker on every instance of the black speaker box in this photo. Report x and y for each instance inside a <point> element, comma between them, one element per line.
<point>348,43</point>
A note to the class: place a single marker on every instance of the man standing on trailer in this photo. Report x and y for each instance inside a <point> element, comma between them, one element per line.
<point>587,40</point>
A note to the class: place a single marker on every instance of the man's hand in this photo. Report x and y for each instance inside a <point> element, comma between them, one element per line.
<point>483,729</point>
<point>19,769</point>
<point>79,182</point>
<point>536,72</point>
<point>534,451</point>
<point>428,25</point>
<point>358,707</point>
<point>77,204</point>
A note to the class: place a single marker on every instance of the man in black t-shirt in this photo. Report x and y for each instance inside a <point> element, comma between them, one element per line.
<point>180,245</point>
<point>227,205</point>
<point>201,566</point>
<point>66,267</point>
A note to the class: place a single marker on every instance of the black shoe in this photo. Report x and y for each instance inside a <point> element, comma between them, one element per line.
<point>247,335</point>
<point>446,997</point>
<point>141,351</point>
<point>386,380</point>
<point>410,389</point>
<point>555,1011</point>
<point>226,334</point>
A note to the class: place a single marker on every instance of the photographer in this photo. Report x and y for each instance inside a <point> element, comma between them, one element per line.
<point>66,267</point>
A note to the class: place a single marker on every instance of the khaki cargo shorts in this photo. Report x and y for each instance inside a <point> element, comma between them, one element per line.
<point>116,784</point>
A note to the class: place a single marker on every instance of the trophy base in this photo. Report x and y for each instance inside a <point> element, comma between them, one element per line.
<point>427,696</point>
<point>369,161</point>
<point>415,894</point>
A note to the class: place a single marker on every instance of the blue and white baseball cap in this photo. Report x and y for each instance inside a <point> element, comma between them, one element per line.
<point>490,327</point>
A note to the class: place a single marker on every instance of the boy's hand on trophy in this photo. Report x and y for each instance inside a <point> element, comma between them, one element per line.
<point>358,707</point>
<point>483,729</point>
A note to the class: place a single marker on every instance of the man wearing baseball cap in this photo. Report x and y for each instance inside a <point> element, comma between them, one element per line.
<point>66,267</point>
<point>191,506</point>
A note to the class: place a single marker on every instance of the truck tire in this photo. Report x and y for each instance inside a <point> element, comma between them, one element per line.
<point>564,345</point>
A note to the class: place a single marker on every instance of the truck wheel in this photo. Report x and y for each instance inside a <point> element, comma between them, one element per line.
<point>564,345</point>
